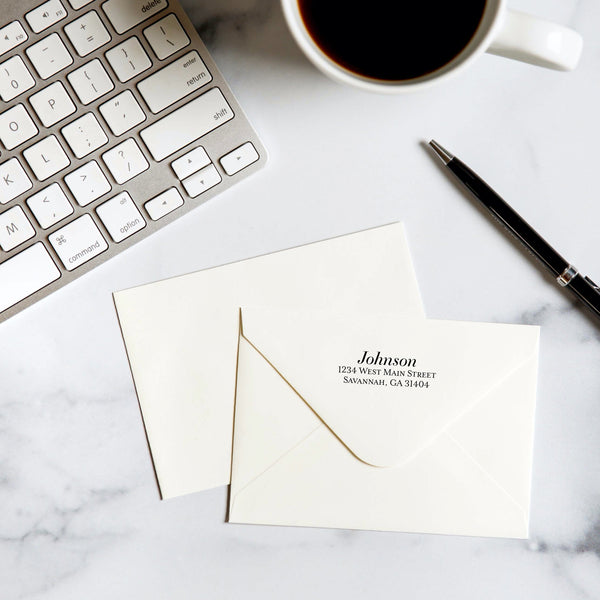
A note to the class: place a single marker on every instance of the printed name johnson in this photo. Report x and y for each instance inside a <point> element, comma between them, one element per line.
<point>386,361</point>
<point>385,371</point>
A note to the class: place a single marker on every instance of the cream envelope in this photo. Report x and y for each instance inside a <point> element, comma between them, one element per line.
<point>181,337</point>
<point>379,422</point>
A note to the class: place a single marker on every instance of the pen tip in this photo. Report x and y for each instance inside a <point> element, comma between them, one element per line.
<point>442,153</point>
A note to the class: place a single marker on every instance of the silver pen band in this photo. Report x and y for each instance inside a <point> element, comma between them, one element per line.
<point>567,275</point>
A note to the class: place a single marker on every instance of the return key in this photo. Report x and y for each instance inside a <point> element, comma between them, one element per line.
<point>181,78</point>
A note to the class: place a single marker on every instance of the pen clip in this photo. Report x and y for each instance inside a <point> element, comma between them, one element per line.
<point>595,286</point>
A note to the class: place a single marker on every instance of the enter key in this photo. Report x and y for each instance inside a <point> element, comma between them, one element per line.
<point>174,82</point>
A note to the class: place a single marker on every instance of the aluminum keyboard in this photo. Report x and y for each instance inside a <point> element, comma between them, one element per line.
<point>114,120</point>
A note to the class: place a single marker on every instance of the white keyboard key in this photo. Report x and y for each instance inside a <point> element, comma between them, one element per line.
<point>11,36</point>
<point>87,33</point>
<point>50,206</point>
<point>24,274</point>
<point>125,161</point>
<point>46,158</point>
<point>13,180</point>
<point>15,228</point>
<point>239,159</point>
<point>203,180</point>
<point>78,242</point>
<point>163,204</point>
<point>52,104</point>
<point>84,135</point>
<point>15,78</point>
<point>91,81</point>
<point>16,127</point>
<point>187,124</point>
<point>49,56</point>
<point>176,81</point>
<point>122,113</point>
<point>121,217</point>
<point>128,59</point>
<point>45,15</point>
<point>87,183</point>
<point>77,4</point>
<point>166,36</point>
<point>125,14</point>
<point>191,162</point>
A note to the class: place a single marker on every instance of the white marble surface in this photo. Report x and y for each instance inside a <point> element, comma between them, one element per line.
<point>79,509</point>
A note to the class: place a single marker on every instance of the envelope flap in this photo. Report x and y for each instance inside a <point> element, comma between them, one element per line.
<point>385,385</point>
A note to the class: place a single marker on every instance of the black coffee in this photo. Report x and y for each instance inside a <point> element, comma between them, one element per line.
<point>392,40</point>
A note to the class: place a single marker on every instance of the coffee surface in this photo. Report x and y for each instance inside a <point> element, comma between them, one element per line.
<point>389,40</point>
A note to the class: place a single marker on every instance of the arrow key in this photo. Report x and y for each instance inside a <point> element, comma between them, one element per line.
<point>163,204</point>
<point>202,181</point>
<point>190,162</point>
<point>239,158</point>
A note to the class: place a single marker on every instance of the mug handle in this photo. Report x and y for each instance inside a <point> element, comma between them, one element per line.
<point>536,41</point>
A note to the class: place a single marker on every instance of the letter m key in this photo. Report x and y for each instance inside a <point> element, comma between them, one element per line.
<point>12,228</point>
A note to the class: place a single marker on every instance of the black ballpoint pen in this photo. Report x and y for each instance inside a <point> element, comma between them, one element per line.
<point>566,275</point>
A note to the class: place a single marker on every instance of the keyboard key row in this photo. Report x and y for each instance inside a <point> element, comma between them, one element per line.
<point>50,55</point>
<point>125,161</point>
<point>81,240</point>
<point>47,157</point>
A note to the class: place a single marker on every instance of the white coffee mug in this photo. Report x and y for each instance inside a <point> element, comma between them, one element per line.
<point>501,31</point>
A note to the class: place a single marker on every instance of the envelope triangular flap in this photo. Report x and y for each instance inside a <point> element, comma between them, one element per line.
<point>386,385</point>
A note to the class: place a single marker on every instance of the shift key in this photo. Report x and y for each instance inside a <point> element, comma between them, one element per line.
<point>125,14</point>
<point>187,124</point>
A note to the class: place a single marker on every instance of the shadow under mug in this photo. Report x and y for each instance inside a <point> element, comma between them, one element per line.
<point>501,31</point>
